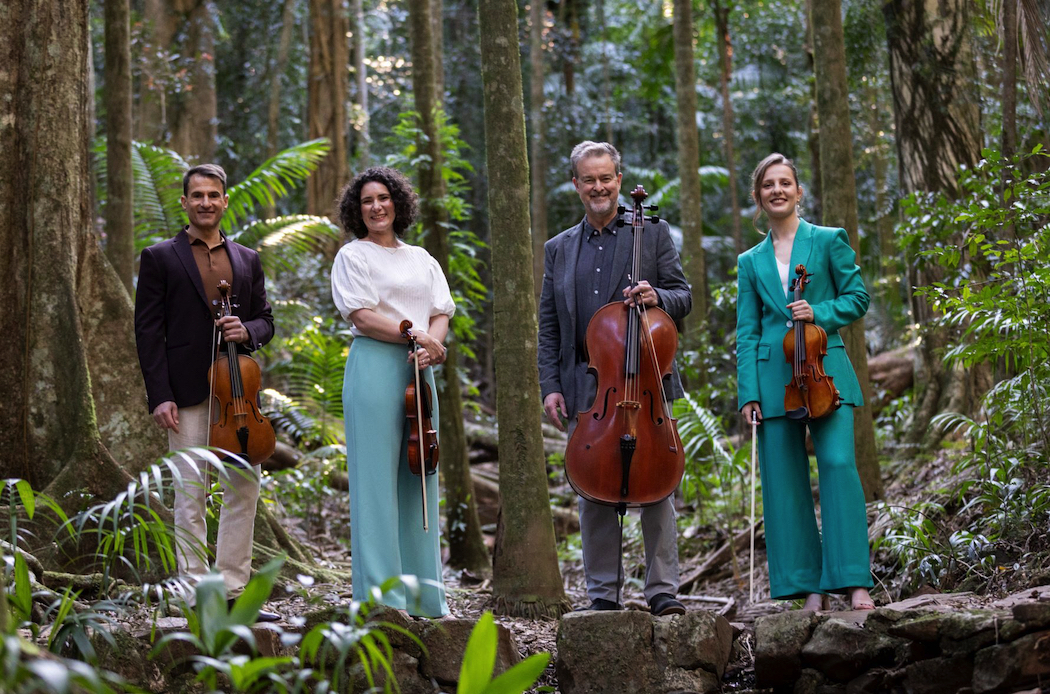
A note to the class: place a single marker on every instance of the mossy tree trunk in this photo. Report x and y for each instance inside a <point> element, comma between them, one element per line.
<point>462,526</point>
<point>120,236</point>
<point>840,207</point>
<point>689,172</point>
<point>526,578</point>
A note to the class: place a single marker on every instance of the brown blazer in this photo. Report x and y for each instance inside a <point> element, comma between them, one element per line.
<point>173,321</point>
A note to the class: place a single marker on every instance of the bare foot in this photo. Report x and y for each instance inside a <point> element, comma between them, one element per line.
<point>815,602</point>
<point>860,600</point>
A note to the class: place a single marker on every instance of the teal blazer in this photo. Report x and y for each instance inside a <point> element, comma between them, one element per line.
<point>838,297</point>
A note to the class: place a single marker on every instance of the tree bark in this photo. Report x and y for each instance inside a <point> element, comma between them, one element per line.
<point>360,119</point>
<point>526,578</point>
<point>725,60</point>
<point>840,207</point>
<point>120,229</point>
<point>538,162</point>
<point>327,94</point>
<point>689,173</point>
<point>280,64</point>
<point>152,123</point>
<point>196,124</point>
<point>466,545</point>
<point>936,109</point>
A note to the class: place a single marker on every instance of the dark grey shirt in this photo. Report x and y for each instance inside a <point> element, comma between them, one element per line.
<point>593,277</point>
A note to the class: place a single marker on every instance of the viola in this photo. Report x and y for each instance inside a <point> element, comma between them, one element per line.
<point>422,437</point>
<point>625,450</point>
<point>237,425</point>
<point>811,393</point>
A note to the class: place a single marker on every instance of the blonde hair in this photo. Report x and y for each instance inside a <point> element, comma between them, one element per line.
<point>756,182</point>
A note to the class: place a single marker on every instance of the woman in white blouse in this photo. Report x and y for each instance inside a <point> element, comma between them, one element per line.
<point>378,280</point>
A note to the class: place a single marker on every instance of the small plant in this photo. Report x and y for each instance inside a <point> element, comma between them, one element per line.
<point>479,661</point>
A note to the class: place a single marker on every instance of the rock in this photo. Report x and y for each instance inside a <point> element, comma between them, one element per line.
<point>406,673</point>
<point>809,682</point>
<point>446,641</point>
<point>937,675</point>
<point>1035,615</point>
<point>632,651</point>
<point>877,681</point>
<point>925,628</point>
<point>967,631</point>
<point>1002,668</point>
<point>779,639</point>
<point>842,650</point>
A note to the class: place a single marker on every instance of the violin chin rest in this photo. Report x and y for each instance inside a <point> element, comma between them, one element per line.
<point>800,413</point>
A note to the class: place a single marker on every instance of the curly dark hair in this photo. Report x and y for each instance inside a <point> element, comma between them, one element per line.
<point>406,202</point>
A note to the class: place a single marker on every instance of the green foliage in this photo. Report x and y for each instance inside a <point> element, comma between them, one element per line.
<point>479,660</point>
<point>989,250</point>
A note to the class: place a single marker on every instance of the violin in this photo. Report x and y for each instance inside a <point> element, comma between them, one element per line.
<point>237,425</point>
<point>811,393</point>
<point>625,450</point>
<point>422,437</point>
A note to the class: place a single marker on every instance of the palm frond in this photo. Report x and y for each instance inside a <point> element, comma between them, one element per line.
<point>273,179</point>
<point>282,241</point>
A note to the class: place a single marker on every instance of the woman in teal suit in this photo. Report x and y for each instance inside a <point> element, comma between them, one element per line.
<point>803,562</point>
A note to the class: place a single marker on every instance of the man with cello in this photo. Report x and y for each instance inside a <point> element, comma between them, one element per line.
<point>586,267</point>
<point>176,332</point>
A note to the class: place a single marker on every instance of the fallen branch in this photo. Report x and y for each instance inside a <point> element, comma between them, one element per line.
<point>720,556</point>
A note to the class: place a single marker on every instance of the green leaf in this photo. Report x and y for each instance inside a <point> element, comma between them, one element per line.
<point>27,495</point>
<point>479,658</point>
<point>521,676</point>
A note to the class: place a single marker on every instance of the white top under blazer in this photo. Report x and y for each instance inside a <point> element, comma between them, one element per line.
<point>398,283</point>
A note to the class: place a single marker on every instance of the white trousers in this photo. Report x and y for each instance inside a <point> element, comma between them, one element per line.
<point>233,552</point>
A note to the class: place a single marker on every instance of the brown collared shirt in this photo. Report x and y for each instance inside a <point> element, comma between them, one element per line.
<point>214,265</point>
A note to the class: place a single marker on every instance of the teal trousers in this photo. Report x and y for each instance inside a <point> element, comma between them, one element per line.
<point>386,510</point>
<point>802,560</point>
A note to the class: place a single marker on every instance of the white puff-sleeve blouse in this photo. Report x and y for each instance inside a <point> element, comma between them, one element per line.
<point>397,283</point>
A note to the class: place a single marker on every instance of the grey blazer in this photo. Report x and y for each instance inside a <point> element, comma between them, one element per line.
<point>560,369</point>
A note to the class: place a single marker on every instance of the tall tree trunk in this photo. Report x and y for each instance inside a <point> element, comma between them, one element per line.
<point>437,12</point>
<point>466,545</point>
<point>840,207</point>
<point>538,162</point>
<point>1009,77</point>
<point>815,195</point>
<point>937,116</point>
<point>725,60</point>
<point>120,225</point>
<point>152,121</point>
<point>284,45</point>
<point>689,172</point>
<point>196,127</point>
<point>326,110</point>
<point>48,423</point>
<point>526,578</point>
<point>607,91</point>
<point>362,150</point>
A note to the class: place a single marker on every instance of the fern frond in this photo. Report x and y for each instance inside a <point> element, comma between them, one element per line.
<point>283,241</point>
<point>273,179</point>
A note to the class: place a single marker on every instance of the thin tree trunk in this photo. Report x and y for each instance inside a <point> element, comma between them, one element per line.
<point>327,93</point>
<point>689,173</point>
<point>284,45</point>
<point>607,91</point>
<point>437,13</point>
<point>812,205</point>
<point>937,116</point>
<point>466,545</point>
<point>840,208</point>
<point>526,578</point>
<point>725,59</point>
<point>152,122</point>
<point>120,225</point>
<point>538,163</point>
<point>196,127</point>
<point>1009,98</point>
<point>362,150</point>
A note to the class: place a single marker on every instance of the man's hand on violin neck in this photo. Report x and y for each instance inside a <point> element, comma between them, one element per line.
<point>643,291</point>
<point>166,415</point>
<point>552,405</point>
<point>233,329</point>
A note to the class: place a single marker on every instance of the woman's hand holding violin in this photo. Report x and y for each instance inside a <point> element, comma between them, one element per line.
<point>801,310</point>
<point>431,352</point>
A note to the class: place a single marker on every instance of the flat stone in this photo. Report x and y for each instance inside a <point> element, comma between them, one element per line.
<point>932,601</point>
<point>970,630</point>
<point>842,650</point>
<point>605,652</point>
<point>1033,614</point>
<point>1004,668</point>
<point>1036,594</point>
<point>446,642</point>
<point>695,641</point>
<point>926,627</point>
<point>779,639</point>
<point>938,675</point>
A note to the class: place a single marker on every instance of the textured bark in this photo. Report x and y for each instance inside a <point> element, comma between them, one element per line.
<point>284,45</point>
<point>326,110</point>
<point>151,115</point>
<point>725,61</point>
<point>814,195</point>
<point>538,161</point>
<point>840,207</point>
<point>689,173</point>
<point>466,545</point>
<point>120,236</point>
<point>361,150</point>
<point>933,76</point>
<point>196,121</point>
<point>526,578</point>
<point>1008,22</point>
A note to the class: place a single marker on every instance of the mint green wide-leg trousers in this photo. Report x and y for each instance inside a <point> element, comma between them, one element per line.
<point>801,558</point>
<point>386,505</point>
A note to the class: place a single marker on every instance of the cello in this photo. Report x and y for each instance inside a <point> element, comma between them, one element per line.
<point>236,424</point>
<point>422,437</point>
<point>625,450</point>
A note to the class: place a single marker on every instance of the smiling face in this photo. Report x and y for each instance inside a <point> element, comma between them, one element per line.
<point>205,202</point>
<point>598,186</point>
<point>377,209</point>
<point>779,192</point>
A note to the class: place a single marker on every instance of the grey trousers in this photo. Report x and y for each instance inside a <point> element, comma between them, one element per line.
<point>600,536</point>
